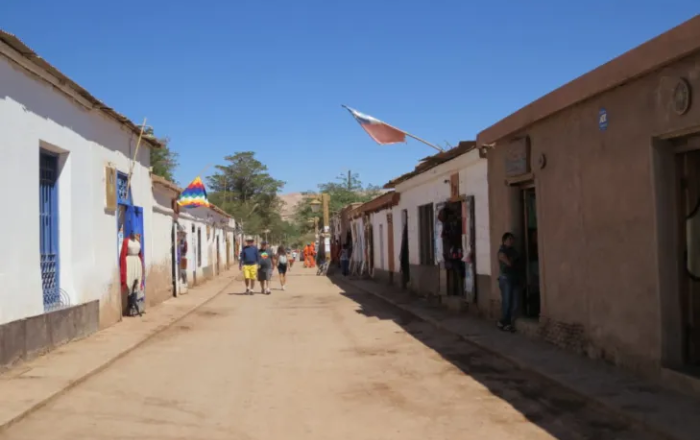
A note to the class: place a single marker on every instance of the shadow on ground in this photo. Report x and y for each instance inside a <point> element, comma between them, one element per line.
<point>559,412</point>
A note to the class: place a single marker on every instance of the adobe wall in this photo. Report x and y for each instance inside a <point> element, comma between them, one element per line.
<point>596,217</point>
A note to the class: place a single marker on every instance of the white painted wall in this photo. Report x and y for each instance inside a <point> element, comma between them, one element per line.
<point>430,187</point>
<point>34,115</point>
<point>200,218</point>
<point>160,233</point>
<point>381,228</point>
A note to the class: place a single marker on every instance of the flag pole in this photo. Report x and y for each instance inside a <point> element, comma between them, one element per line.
<point>203,170</point>
<point>133,161</point>
<point>404,132</point>
<point>419,139</point>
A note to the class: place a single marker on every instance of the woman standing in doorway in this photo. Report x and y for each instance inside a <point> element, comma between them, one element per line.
<point>282,265</point>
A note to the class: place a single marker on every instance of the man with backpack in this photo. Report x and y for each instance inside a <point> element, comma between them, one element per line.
<point>265,268</point>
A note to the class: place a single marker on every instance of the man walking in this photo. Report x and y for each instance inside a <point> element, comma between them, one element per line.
<point>250,257</point>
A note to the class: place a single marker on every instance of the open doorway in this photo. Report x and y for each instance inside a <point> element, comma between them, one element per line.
<point>531,287</point>
<point>174,256</point>
<point>688,220</point>
<point>450,216</point>
<point>404,260</point>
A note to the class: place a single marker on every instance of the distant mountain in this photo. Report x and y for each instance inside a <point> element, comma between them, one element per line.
<point>289,204</point>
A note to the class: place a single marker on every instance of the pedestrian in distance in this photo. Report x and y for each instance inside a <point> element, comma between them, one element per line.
<point>282,262</point>
<point>292,256</point>
<point>264,269</point>
<point>345,260</point>
<point>250,256</point>
<point>508,281</point>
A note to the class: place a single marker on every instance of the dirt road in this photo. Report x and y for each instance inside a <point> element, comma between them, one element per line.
<point>312,363</point>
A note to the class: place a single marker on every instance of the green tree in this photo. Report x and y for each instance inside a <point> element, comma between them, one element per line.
<point>346,189</point>
<point>164,161</point>
<point>244,188</point>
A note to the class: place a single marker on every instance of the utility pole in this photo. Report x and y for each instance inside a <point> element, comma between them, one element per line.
<point>349,180</point>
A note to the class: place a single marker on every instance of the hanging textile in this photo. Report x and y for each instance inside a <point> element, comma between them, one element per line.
<point>469,246</point>
<point>194,196</point>
<point>439,256</point>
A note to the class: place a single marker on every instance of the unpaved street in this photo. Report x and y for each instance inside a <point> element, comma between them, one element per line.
<point>312,363</point>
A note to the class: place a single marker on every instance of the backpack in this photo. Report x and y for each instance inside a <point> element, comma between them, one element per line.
<point>282,259</point>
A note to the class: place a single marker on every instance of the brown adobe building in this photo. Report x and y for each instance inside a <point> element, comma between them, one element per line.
<point>596,180</point>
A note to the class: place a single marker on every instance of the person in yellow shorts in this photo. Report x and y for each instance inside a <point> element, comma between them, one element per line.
<point>250,257</point>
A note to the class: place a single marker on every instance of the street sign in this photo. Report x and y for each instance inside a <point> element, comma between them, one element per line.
<point>603,119</point>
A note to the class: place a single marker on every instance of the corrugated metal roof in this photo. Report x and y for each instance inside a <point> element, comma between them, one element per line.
<point>158,180</point>
<point>378,203</point>
<point>430,162</point>
<point>31,56</point>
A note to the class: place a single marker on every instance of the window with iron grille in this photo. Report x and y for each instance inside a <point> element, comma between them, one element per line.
<point>48,230</point>
<point>123,190</point>
<point>426,232</point>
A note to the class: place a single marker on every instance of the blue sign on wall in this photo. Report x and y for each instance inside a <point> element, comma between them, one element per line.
<point>603,119</point>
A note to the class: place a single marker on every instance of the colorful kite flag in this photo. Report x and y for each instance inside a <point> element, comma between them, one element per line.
<point>194,196</point>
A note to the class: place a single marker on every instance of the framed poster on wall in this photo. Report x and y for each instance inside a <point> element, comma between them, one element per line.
<point>469,246</point>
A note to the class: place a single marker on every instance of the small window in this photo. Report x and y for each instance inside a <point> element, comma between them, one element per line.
<point>426,234</point>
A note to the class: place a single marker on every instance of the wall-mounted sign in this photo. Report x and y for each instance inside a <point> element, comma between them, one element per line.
<point>603,119</point>
<point>681,97</point>
<point>518,157</point>
<point>111,188</point>
<point>542,161</point>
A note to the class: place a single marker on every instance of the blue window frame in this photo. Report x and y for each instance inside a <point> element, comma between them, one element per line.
<point>124,200</point>
<point>48,229</point>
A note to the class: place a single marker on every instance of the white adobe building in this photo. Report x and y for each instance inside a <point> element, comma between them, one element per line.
<point>65,158</point>
<point>208,232</point>
<point>453,182</point>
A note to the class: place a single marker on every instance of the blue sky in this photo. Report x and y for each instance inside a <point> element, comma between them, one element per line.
<point>270,75</point>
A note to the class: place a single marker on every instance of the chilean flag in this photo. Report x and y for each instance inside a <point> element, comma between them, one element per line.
<point>381,132</point>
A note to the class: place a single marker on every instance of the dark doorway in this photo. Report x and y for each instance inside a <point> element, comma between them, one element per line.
<point>531,287</point>
<point>688,217</point>
<point>451,218</point>
<point>370,248</point>
<point>390,245</point>
<point>404,255</point>
<point>175,253</point>
<point>195,256</point>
